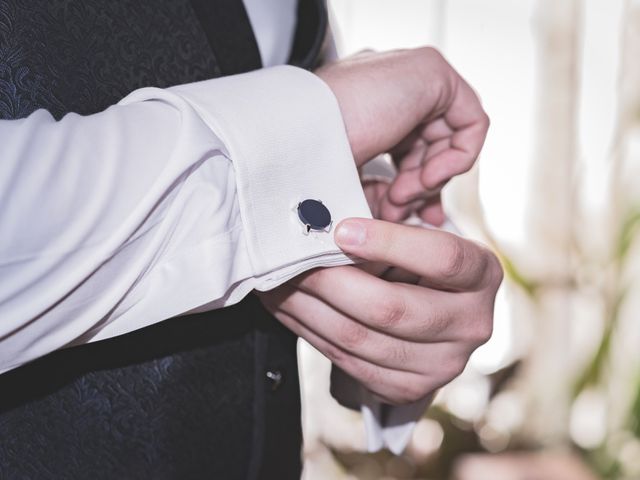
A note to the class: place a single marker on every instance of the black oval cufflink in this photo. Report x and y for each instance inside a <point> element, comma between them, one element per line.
<point>314,215</point>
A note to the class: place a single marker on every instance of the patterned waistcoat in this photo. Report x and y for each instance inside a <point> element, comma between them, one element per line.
<point>212,395</point>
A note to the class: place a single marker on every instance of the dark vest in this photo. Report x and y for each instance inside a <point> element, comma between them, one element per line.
<point>212,395</point>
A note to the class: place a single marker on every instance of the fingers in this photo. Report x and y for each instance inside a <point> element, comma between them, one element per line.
<point>436,130</point>
<point>470,125</point>
<point>408,184</point>
<point>443,259</point>
<point>415,313</point>
<point>375,192</point>
<point>407,312</point>
<point>375,269</point>
<point>398,371</point>
<point>432,212</point>
<point>391,212</point>
<point>398,275</point>
<point>450,146</point>
<point>357,338</point>
<point>413,157</point>
<point>393,387</point>
<point>429,210</point>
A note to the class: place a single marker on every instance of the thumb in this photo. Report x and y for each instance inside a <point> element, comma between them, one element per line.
<point>440,257</point>
<point>366,238</point>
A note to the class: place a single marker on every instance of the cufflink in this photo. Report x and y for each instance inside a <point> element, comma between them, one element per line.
<point>314,216</point>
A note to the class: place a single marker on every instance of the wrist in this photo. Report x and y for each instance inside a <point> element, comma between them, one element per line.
<point>339,88</point>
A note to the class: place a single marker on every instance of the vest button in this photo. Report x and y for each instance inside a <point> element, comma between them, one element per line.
<point>275,378</point>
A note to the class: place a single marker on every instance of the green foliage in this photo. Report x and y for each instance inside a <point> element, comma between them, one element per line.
<point>634,414</point>
<point>601,459</point>
<point>516,276</point>
<point>592,374</point>
<point>627,235</point>
<point>603,464</point>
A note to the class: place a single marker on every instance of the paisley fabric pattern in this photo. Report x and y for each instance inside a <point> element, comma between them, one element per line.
<point>133,420</point>
<point>82,56</point>
<point>187,398</point>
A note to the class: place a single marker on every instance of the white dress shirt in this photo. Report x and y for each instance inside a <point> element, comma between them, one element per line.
<point>172,201</point>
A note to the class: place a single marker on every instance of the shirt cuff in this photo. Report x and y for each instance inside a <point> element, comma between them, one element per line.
<point>285,136</point>
<point>390,426</point>
<point>387,426</point>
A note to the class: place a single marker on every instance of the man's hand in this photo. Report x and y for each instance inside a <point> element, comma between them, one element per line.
<point>401,340</point>
<point>414,105</point>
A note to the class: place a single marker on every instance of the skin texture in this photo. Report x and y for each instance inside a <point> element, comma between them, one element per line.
<point>405,322</point>
<point>413,104</point>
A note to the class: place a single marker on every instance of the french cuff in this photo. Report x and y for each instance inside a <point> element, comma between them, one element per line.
<point>286,138</point>
<point>387,426</point>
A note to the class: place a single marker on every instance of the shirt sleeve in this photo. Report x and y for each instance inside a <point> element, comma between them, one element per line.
<point>172,201</point>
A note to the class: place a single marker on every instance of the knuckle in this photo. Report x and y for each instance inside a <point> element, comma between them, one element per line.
<point>432,53</point>
<point>399,354</point>
<point>449,371</point>
<point>411,392</point>
<point>469,163</point>
<point>454,368</point>
<point>435,323</point>
<point>481,331</point>
<point>497,271</point>
<point>485,121</point>
<point>493,271</point>
<point>486,330</point>
<point>390,310</point>
<point>453,257</point>
<point>352,334</point>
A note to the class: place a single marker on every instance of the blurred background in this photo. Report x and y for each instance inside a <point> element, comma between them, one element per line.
<point>555,394</point>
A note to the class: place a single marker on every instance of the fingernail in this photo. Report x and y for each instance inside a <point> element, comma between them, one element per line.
<point>350,233</point>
